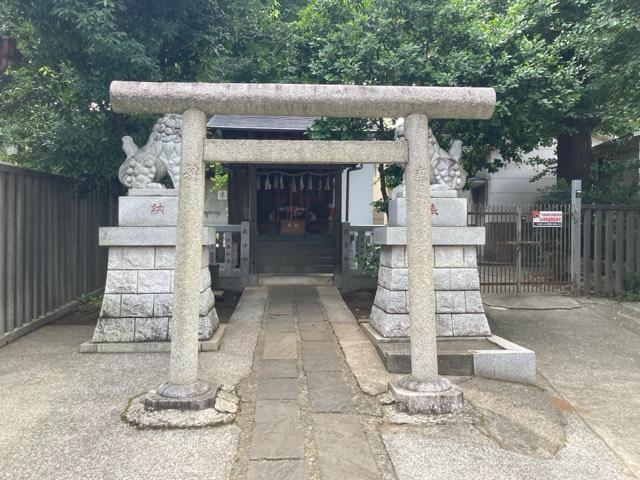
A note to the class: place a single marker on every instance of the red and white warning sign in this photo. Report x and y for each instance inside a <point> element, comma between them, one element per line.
<point>543,218</point>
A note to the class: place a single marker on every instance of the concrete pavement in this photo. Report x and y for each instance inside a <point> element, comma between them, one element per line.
<point>313,402</point>
<point>589,352</point>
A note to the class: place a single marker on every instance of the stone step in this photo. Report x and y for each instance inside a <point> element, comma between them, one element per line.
<point>294,247</point>
<point>294,269</point>
<point>294,252</point>
<point>284,279</point>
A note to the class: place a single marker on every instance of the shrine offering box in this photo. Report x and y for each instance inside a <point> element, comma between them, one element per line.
<point>292,227</point>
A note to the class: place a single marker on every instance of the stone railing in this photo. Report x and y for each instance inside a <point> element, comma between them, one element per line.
<point>355,239</point>
<point>231,251</point>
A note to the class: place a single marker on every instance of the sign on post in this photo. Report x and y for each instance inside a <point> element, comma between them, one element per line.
<point>543,218</point>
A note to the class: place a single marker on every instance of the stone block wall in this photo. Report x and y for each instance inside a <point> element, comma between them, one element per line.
<point>138,299</point>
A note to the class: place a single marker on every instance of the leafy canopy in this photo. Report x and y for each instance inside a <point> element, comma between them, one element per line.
<point>549,61</point>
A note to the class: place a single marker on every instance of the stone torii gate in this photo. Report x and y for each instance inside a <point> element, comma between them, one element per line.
<point>422,391</point>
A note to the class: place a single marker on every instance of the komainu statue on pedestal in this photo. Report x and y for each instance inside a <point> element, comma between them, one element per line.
<point>445,166</point>
<point>146,166</point>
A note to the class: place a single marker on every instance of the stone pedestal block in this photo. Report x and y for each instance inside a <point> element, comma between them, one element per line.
<point>459,310</point>
<point>138,301</point>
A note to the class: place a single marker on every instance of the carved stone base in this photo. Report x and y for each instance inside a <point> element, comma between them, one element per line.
<point>434,398</point>
<point>197,396</point>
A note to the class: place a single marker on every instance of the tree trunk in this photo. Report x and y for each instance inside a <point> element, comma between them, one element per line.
<point>383,185</point>
<point>574,153</point>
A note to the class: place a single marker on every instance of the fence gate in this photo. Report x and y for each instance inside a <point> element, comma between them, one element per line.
<point>520,255</point>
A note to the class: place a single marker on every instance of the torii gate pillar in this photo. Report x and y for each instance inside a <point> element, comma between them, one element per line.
<point>423,391</point>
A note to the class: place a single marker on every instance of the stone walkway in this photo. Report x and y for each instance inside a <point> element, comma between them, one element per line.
<point>303,415</point>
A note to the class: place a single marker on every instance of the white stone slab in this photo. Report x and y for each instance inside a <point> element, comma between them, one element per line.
<point>509,362</point>
<point>121,281</point>
<point>440,191</point>
<point>152,192</point>
<point>152,236</point>
<point>441,235</point>
<point>393,278</point>
<point>393,256</point>
<point>110,305</point>
<point>139,211</point>
<point>449,212</point>
<point>391,301</point>
<point>444,325</point>
<point>448,301</point>
<point>154,281</point>
<point>398,212</point>
<point>390,235</point>
<point>445,212</point>
<point>389,324</point>
<point>470,324</point>
<point>448,256</point>
<point>137,305</point>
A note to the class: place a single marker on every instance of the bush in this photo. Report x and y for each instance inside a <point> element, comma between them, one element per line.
<point>631,287</point>
<point>370,260</point>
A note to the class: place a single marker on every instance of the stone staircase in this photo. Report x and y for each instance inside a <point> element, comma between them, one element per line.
<point>304,254</point>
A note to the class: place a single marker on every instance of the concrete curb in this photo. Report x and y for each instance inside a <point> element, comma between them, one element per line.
<point>507,361</point>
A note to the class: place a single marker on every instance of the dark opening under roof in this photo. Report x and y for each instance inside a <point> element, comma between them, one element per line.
<point>260,122</point>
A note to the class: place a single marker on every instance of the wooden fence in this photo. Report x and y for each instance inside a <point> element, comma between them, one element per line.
<point>49,254</point>
<point>610,247</point>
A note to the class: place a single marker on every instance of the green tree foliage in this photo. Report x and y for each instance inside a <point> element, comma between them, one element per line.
<point>561,69</point>
<point>453,43</point>
<point>55,104</point>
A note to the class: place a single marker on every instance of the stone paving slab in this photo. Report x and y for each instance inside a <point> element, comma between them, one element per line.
<point>269,445</point>
<point>280,327</point>
<point>311,317</point>
<point>329,392</point>
<point>279,369</point>
<point>314,327</point>
<point>273,411</point>
<point>280,346</point>
<point>315,335</point>
<point>343,448</point>
<point>319,356</point>
<point>278,389</point>
<point>276,470</point>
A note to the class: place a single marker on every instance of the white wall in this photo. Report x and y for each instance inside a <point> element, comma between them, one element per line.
<point>360,195</point>
<point>511,185</point>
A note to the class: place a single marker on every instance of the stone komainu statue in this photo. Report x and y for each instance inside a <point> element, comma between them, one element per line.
<point>146,166</point>
<point>445,167</point>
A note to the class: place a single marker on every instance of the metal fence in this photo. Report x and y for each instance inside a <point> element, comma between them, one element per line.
<point>518,257</point>
<point>49,254</point>
<point>610,247</point>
